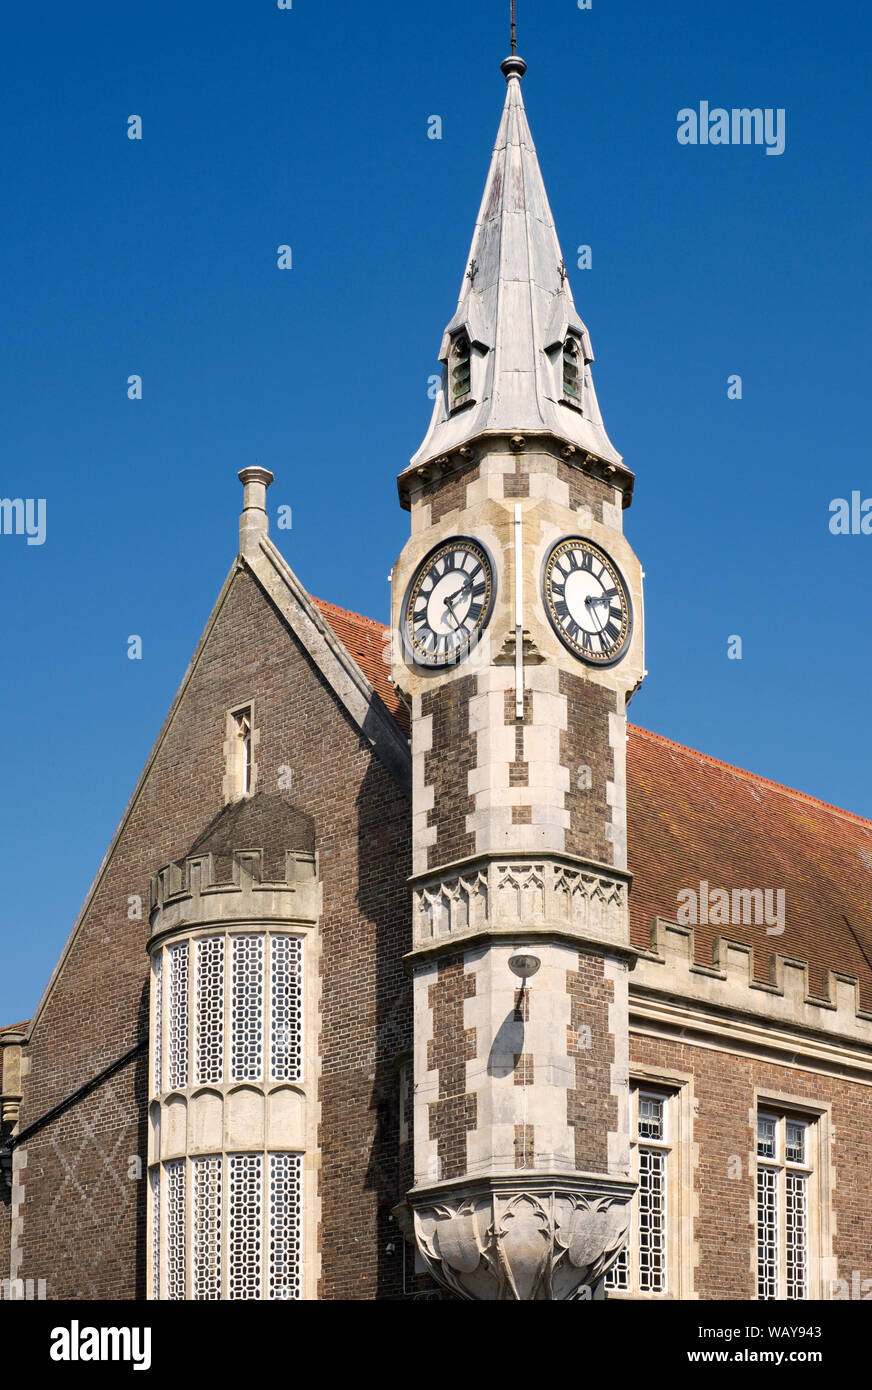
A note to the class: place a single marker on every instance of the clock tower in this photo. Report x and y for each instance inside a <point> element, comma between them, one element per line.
<point>518,641</point>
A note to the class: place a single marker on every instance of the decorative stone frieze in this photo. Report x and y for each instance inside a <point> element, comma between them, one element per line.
<point>524,1239</point>
<point>537,895</point>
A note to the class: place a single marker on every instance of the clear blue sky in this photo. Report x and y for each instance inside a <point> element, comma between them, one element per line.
<point>309,127</point>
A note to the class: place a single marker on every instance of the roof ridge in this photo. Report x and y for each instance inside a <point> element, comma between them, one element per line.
<point>14,1027</point>
<point>752,776</point>
<point>669,742</point>
<point>349,613</point>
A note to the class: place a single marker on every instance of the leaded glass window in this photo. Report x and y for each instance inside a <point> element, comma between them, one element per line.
<point>642,1265</point>
<point>784,1177</point>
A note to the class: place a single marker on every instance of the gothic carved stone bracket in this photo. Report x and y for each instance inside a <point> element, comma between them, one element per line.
<point>505,895</point>
<point>523,1241</point>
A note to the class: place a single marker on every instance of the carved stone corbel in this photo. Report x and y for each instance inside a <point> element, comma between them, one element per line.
<point>529,1239</point>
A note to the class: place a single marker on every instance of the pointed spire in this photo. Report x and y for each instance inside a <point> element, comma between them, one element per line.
<point>516,311</point>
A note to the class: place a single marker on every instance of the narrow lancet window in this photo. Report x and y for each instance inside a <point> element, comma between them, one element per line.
<point>244,721</point>
<point>571,385</point>
<point>461,378</point>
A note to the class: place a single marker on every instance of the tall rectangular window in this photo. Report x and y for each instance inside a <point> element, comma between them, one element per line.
<point>240,768</point>
<point>157,1027</point>
<point>178,1021</point>
<point>209,1046</point>
<point>207,1175</point>
<point>154,1183</point>
<point>286,1008</point>
<point>245,1226</point>
<point>176,1220</point>
<point>642,1266</point>
<point>285,1219</point>
<point>243,722</point>
<point>247,1007</point>
<point>784,1176</point>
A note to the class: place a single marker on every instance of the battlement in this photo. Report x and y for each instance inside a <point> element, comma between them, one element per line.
<point>207,888</point>
<point>669,984</point>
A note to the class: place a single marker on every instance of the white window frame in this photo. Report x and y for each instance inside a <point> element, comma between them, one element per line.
<point>820,1266</point>
<point>184,1167</point>
<point>676,1090</point>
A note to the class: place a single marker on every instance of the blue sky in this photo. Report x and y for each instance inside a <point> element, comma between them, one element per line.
<point>308,127</point>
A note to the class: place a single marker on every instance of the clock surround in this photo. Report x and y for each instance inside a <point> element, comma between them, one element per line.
<point>598,636</point>
<point>435,609</point>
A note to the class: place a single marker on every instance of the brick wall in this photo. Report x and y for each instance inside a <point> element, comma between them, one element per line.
<point>585,491</point>
<point>724,1092</point>
<point>448,1051</point>
<point>591,1107</point>
<point>98,1008</point>
<point>585,742</point>
<point>447,767</point>
<point>449,494</point>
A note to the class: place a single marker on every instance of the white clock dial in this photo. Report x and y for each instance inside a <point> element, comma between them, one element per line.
<point>448,602</point>
<point>587,601</point>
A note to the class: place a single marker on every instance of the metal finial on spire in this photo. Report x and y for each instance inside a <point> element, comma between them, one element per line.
<point>513,66</point>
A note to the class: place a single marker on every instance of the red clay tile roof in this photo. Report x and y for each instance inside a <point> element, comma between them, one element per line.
<point>369,643</point>
<point>693,819</point>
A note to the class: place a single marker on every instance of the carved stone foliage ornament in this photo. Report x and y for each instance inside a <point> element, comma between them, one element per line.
<point>521,1245</point>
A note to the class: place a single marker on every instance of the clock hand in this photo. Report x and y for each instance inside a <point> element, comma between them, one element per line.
<point>457,592</point>
<point>449,604</point>
<point>588,603</point>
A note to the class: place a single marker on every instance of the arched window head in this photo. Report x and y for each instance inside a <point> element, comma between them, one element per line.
<point>460,371</point>
<point>571,381</point>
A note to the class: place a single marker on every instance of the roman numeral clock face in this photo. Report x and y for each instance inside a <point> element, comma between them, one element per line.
<point>587,601</point>
<point>448,602</point>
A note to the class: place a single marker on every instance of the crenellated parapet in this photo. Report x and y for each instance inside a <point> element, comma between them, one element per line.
<point>779,1016</point>
<point>194,891</point>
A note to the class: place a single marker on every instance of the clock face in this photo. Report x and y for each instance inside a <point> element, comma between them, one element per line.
<point>448,602</point>
<point>587,601</point>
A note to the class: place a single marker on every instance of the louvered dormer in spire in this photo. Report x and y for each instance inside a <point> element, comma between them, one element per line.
<point>516,354</point>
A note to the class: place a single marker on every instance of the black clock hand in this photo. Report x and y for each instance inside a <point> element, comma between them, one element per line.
<point>457,592</point>
<point>588,603</point>
<point>449,604</point>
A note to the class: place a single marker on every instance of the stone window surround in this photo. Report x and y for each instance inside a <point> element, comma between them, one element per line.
<point>234,768</point>
<point>159,1086</point>
<point>682,1253</point>
<point>158,1278</point>
<point>818,1116</point>
<point>571,344</point>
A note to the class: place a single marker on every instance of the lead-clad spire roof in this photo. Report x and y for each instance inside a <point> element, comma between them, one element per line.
<point>516,309</point>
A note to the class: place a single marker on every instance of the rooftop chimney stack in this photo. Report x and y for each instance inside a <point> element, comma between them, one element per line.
<point>253,523</point>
